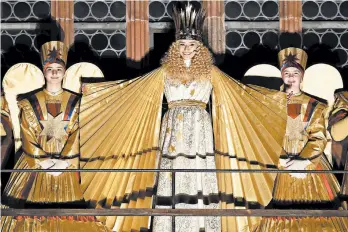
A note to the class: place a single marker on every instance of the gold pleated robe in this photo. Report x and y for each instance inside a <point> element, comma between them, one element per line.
<point>120,127</point>
<point>6,132</point>
<point>49,130</point>
<point>305,139</point>
<point>338,127</point>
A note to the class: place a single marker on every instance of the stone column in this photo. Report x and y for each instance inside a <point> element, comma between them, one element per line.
<point>290,16</point>
<point>215,25</point>
<point>63,13</point>
<point>137,32</point>
<point>290,23</point>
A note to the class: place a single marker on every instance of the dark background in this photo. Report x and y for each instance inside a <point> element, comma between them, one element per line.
<point>106,48</point>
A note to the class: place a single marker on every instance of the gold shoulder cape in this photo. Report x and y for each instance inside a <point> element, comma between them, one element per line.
<point>249,126</point>
<point>120,125</point>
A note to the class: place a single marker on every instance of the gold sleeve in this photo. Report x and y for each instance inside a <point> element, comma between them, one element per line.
<point>6,132</point>
<point>249,126</point>
<point>4,107</point>
<point>338,121</point>
<point>71,150</point>
<point>316,136</point>
<point>31,147</point>
<point>5,115</point>
<point>339,131</point>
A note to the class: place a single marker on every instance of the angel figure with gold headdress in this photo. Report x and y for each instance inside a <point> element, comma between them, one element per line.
<point>49,134</point>
<point>304,143</point>
<point>121,128</point>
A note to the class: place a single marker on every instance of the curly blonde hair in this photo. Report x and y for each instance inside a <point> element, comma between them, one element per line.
<point>199,69</point>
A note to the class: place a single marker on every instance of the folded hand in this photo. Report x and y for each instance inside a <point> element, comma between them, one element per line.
<point>59,164</point>
<point>291,164</point>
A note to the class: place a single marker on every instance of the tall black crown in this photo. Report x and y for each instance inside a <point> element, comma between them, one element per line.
<point>188,22</point>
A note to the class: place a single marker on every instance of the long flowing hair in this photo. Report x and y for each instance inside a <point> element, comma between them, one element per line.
<point>200,68</point>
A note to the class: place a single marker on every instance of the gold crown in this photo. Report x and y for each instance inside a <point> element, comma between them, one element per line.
<point>188,23</point>
<point>292,57</point>
<point>54,52</point>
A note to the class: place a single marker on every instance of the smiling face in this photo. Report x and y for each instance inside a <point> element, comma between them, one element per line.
<point>188,48</point>
<point>292,78</point>
<point>54,73</point>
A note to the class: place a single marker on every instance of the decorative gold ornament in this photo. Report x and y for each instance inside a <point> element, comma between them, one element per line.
<point>54,127</point>
<point>291,57</point>
<point>54,52</point>
<point>188,22</point>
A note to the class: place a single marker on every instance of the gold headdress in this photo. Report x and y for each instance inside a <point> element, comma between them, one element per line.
<point>54,52</point>
<point>292,57</point>
<point>188,23</point>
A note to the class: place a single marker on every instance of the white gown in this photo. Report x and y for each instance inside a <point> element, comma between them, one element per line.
<point>186,142</point>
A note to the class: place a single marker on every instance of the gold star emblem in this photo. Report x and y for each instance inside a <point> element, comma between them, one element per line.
<point>171,148</point>
<point>294,128</point>
<point>54,127</point>
<point>180,117</point>
<point>192,92</point>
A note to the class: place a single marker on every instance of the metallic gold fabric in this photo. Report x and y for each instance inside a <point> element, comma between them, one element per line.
<point>310,144</point>
<point>120,129</point>
<point>4,107</point>
<point>54,224</point>
<point>41,187</point>
<point>338,127</point>
<point>62,111</point>
<point>305,224</point>
<point>7,141</point>
<point>187,103</point>
<point>2,130</point>
<point>301,56</point>
<point>5,116</point>
<point>313,189</point>
<point>53,50</point>
<point>38,146</point>
<point>249,126</point>
<point>339,130</point>
<point>309,124</point>
<point>20,78</point>
<point>120,126</point>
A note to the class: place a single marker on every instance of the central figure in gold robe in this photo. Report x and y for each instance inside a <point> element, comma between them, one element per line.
<point>121,129</point>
